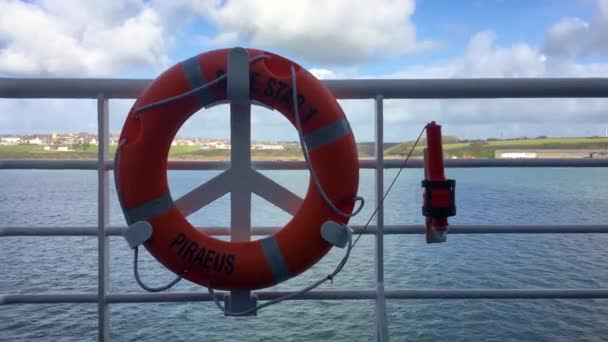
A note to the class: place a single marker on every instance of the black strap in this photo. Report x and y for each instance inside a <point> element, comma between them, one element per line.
<point>431,211</point>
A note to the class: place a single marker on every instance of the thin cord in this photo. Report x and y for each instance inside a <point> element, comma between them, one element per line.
<point>310,287</point>
<point>390,187</point>
<point>190,92</point>
<point>146,287</point>
<point>313,176</point>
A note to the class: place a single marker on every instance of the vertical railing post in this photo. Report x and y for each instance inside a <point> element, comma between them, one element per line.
<point>103,206</point>
<point>381,323</point>
<point>240,161</point>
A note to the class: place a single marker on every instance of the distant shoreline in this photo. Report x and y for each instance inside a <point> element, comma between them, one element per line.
<point>179,158</point>
<point>452,148</point>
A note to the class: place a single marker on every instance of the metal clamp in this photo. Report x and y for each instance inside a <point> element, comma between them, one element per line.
<point>239,304</point>
<point>336,234</point>
<point>137,233</point>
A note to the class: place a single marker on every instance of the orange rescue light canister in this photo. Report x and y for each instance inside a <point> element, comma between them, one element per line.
<point>439,193</point>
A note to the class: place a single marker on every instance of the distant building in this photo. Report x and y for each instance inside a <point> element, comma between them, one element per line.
<point>515,155</point>
<point>185,142</point>
<point>599,154</point>
<point>550,154</point>
<point>10,141</point>
<point>267,147</point>
<point>215,145</point>
<point>35,141</point>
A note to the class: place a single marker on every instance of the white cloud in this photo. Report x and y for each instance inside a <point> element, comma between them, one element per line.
<point>323,73</point>
<point>99,40</point>
<point>563,38</point>
<point>76,38</point>
<point>221,40</point>
<point>25,116</point>
<point>575,37</point>
<point>329,32</point>
<point>86,38</point>
<point>471,118</point>
<point>335,73</point>
<point>483,58</point>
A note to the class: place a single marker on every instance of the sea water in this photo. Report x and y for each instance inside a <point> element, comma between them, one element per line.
<point>507,196</point>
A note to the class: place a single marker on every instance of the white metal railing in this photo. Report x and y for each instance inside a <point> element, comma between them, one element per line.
<point>78,88</point>
<point>376,89</point>
<point>117,298</point>
<point>103,218</point>
<point>371,230</point>
<point>300,165</point>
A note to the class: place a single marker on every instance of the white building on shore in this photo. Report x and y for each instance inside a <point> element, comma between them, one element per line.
<point>10,141</point>
<point>275,147</point>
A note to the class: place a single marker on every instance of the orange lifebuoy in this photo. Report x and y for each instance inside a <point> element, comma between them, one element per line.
<point>142,186</point>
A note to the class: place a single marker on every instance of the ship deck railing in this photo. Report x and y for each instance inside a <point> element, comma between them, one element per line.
<point>378,90</point>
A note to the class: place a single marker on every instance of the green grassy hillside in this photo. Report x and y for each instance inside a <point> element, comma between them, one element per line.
<point>452,147</point>
<point>486,149</point>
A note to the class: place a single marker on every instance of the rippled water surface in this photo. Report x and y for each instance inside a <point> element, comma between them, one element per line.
<point>491,196</point>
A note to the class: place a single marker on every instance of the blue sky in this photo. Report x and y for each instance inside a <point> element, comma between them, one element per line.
<point>454,22</point>
<point>338,39</point>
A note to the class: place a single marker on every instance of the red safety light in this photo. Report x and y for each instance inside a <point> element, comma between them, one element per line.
<point>439,193</point>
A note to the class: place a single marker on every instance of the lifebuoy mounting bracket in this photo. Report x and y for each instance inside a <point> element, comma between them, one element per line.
<point>337,234</point>
<point>137,233</point>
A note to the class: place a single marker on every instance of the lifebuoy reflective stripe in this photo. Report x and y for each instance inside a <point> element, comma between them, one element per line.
<point>143,190</point>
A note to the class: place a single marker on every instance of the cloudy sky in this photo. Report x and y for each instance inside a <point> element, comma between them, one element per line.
<point>337,39</point>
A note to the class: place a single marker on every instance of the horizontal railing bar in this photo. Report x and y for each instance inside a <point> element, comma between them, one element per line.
<point>497,294</point>
<point>388,229</point>
<point>73,88</point>
<point>90,88</point>
<point>301,165</point>
<point>44,164</point>
<point>118,298</point>
<point>469,88</point>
